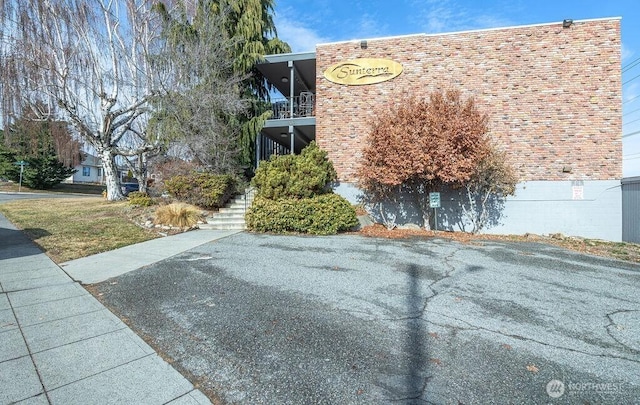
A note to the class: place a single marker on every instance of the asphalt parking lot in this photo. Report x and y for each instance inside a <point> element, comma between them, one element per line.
<point>261,319</point>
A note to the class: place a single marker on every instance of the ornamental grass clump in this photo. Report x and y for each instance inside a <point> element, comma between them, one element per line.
<point>178,215</point>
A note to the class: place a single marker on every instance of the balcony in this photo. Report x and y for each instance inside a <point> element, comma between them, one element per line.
<point>292,126</point>
<point>294,107</point>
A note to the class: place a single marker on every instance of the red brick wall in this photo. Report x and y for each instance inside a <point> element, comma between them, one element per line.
<point>553,94</point>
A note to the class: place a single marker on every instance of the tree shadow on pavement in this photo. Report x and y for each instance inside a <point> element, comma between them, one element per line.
<point>415,340</point>
<point>15,243</point>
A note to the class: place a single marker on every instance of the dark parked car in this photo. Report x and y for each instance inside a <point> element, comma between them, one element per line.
<point>129,187</point>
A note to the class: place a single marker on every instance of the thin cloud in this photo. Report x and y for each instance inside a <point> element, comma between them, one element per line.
<point>370,27</point>
<point>448,16</point>
<point>299,37</point>
<point>631,92</point>
<point>626,53</point>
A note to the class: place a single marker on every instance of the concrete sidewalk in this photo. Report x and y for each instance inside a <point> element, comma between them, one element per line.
<point>59,345</point>
<point>100,267</point>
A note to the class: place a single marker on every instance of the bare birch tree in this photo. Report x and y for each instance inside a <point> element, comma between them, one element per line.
<point>100,65</point>
<point>88,63</point>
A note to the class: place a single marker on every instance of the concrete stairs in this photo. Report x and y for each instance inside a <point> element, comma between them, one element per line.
<point>231,216</point>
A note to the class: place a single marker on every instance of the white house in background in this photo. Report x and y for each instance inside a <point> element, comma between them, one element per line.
<point>88,171</point>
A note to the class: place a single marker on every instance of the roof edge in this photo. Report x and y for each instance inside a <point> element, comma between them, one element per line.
<point>467,31</point>
<point>285,57</point>
<point>629,180</point>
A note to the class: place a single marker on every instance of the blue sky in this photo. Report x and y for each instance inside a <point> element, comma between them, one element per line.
<point>305,24</point>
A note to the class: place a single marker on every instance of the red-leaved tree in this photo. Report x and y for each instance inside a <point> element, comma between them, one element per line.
<point>420,145</point>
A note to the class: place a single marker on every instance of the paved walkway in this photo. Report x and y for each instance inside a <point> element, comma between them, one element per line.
<point>59,345</point>
<point>103,266</point>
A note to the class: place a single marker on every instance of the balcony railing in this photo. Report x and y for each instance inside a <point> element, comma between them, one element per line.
<point>303,106</point>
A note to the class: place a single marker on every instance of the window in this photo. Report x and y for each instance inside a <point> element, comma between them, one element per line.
<point>99,171</point>
<point>86,171</point>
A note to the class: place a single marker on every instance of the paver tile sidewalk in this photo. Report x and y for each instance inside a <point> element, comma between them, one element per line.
<point>59,345</point>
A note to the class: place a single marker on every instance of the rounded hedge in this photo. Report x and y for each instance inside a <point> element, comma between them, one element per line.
<point>295,176</point>
<point>140,199</point>
<point>324,214</point>
<point>205,190</point>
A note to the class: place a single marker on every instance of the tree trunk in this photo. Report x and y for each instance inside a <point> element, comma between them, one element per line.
<point>421,192</point>
<point>114,191</point>
<point>142,174</point>
<point>426,216</point>
<point>139,170</point>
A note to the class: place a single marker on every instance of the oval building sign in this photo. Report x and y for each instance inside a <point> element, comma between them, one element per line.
<point>357,72</point>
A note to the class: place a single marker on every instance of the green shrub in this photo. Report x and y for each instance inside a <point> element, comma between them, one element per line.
<point>293,195</point>
<point>140,199</point>
<point>295,176</point>
<point>320,215</point>
<point>205,190</point>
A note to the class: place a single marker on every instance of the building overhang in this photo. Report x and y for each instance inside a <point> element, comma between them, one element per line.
<point>304,130</point>
<point>277,70</point>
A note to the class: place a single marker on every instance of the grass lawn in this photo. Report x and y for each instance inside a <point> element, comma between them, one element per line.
<point>67,229</point>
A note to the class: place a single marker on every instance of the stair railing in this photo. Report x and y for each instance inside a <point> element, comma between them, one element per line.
<point>248,192</point>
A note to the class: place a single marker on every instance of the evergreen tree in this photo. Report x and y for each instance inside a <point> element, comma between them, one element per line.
<point>7,160</point>
<point>45,171</point>
<point>251,22</point>
<point>37,143</point>
<point>249,27</point>
<point>205,92</point>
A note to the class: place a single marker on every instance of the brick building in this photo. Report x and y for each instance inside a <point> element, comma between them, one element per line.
<point>552,92</point>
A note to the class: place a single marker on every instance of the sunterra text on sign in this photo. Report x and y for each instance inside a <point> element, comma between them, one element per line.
<point>357,72</point>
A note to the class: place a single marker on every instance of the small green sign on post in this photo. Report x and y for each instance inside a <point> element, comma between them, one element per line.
<point>22,164</point>
<point>434,202</point>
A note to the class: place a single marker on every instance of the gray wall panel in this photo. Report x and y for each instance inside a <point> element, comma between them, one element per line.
<point>539,207</point>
